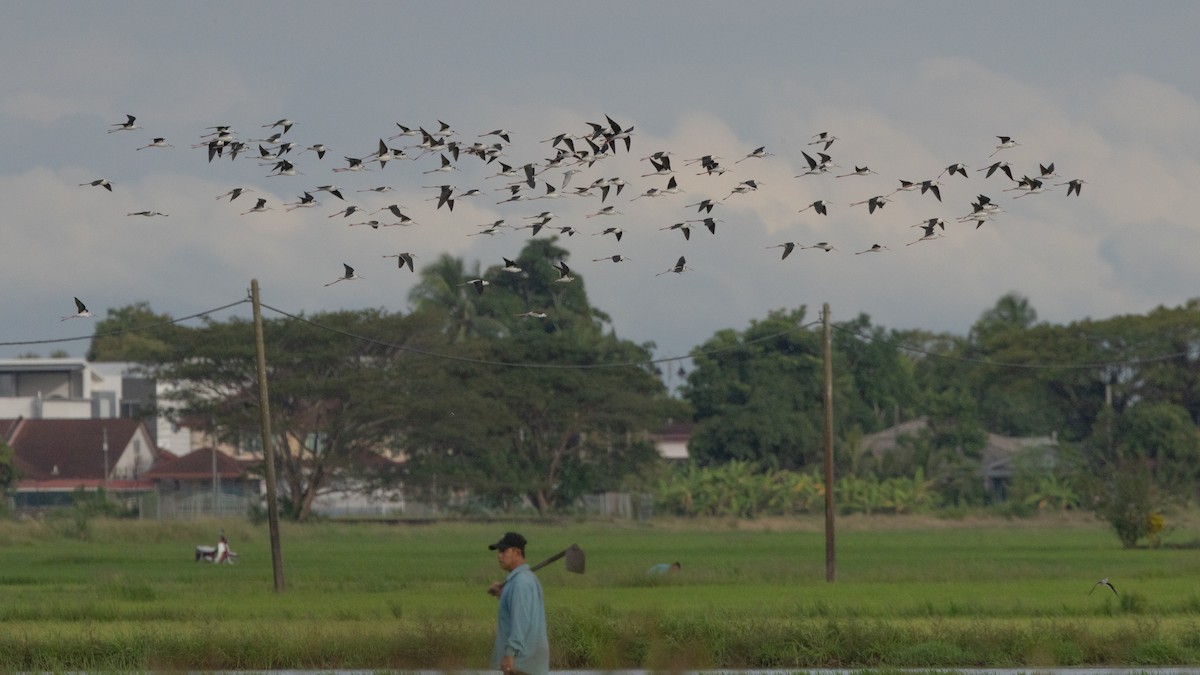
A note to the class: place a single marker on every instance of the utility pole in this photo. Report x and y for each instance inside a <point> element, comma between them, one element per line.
<point>830,551</point>
<point>268,448</point>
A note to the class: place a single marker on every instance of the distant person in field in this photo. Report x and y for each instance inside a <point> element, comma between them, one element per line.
<point>663,569</point>
<point>521,646</point>
<point>222,554</point>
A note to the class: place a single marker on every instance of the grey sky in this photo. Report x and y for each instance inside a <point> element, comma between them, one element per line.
<point>1108,91</point>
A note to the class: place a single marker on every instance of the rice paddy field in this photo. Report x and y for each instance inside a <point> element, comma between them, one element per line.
<point>910,592</point>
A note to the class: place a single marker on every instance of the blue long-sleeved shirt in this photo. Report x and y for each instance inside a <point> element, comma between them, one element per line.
<point>521,624</point>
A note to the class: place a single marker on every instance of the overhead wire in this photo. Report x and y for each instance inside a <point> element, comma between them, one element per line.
<point>616,364</point>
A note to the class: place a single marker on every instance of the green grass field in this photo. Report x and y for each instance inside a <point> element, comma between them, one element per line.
<point>910,592</point>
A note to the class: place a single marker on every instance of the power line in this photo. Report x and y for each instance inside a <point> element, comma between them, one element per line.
<point>620,364</point>
<point>122,331</point>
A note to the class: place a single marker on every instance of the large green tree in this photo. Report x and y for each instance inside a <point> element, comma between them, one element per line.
<point>331,382</point>
<point>537,408</point>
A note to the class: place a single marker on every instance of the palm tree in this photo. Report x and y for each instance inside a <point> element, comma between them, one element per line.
<point>445,287</point>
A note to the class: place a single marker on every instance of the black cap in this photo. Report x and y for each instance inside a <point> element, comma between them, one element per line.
<point>509,540</point>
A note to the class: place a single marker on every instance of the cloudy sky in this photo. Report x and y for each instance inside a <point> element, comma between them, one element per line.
<point>1106,91</point>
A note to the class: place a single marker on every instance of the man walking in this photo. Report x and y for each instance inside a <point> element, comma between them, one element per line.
<point>521,647</point>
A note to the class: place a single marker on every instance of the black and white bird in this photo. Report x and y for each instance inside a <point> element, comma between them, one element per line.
<point>148,214</point>
<point>875,248</point>
<point>873,203</point>
<point>479,284</point>
<point>532,314</point>
<point>1006,142</point>
<point>757,153</point>
<point>997,166</point>
<point>81,311</point>
<point>258,207</point>
<point>614,258</point>
<point>815,167</point>
<point>127,125</point>
<point>957,167</point>
<point>235,193</point>
<point>157,143</point>
<point>305,201</point>
<point>564,273</point>
<point>349,275</point>
<point>823,245</point>
<point>331,189</point>
<point>285,123</point>
<point>1105,582</point>
<point>510,266</point>
<point>662,166</point>
<point>345,213</point>
<point>679,267</point>
<point>403,259</point>
<point>820,206</point>
<point>702,205</point>
<point>1074,185</point>
<point>787,246</point>
<point>859,171</point>
<point>606,211</point>
<point>99,182</point>
<point>824,138</point>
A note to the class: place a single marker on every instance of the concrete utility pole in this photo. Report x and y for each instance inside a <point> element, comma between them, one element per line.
<point>830,552</point>
<point>268,448</point>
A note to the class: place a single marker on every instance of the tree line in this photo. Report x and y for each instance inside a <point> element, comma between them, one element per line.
<point>485,402</point>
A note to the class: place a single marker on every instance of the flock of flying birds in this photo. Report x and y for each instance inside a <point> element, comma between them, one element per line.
<point>569,165</point>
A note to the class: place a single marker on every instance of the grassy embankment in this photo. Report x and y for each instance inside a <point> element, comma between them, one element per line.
<point>911,592</point>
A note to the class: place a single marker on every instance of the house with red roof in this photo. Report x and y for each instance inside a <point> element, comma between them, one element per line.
<point>203,482</point>
<point>56,457</point>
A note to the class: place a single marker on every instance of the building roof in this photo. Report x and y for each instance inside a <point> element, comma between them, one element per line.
<point>197,465</point>
<point>996,456</point>
<point>69,448</point>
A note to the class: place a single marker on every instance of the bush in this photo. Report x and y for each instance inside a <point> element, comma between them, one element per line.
<point>1127,501</point>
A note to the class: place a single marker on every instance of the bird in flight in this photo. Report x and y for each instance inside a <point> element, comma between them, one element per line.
<point>235,193</point>
<point>825,138</point>
<point>1074,185</point>
<point>873,203</point>
<point>564,273</point>
<point>148,214</point>
<point>615,258</point>
<point>259,207</point>
<point>1102,582</point>
<point>859,171</point>
<point>757,153</point>
<point>1002,166</point>
<point>815,167</point>
<point>682,227</point>
<point>532,314</point>
<point>823,245</point>
<point>127,125</point>
<point>99,182</point>
<point>81,311</point>
<point>1006,142</point>
<point>957,167</point>
<point>787,246</point>
<point>478,284</point>
<point>875,248</point>
<point>285,123</point>
<point>157,143</point>
<point>820,206</point>
<point>348,276</point>
<point>678,268</point>
<point>403,259</point>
